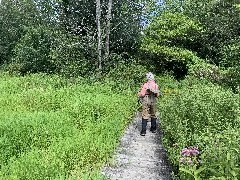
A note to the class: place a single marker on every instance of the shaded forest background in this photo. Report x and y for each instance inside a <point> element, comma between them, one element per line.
<point>180,38</point>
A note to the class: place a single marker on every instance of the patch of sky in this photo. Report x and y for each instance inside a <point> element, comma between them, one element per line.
<point>159,5</point>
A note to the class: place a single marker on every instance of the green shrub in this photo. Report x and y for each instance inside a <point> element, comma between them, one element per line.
<point>227,77</point>
<point>125,75</point>
<point>172,29</point>
<point>169,42</point>
<point>31,54</point>
<point>231,78</point>
<point>199,113</point>
<point>204,70</point>
<point>51,51</point>
<point>231,54</point>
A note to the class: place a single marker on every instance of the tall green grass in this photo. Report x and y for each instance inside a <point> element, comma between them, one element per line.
<point>53,129</point>
<point>201,114</point>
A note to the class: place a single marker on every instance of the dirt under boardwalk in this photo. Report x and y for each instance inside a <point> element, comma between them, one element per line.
<point>139,157</point>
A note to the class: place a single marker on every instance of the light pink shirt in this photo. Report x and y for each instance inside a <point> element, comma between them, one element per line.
<point>146,86</point>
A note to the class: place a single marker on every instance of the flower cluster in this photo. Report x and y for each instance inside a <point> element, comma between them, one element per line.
<point>190,151</point>
<point>190,155</point>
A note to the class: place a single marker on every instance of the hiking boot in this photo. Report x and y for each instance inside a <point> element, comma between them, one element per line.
<point>144,127</point>
<point>153,128</point>
<point>143,133</point>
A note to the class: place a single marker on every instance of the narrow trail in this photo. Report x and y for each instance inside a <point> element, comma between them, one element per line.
<point>139,157</point>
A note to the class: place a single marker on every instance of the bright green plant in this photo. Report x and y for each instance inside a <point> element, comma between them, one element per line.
<point>53,128</point>
<point>125,75</point>
<point>232,78</point>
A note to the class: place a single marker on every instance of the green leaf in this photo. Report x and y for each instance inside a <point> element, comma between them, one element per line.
<point>199,170</point>
<point>186,171</point>
<point>233,173</point>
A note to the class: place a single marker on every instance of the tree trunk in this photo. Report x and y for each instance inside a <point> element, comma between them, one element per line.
<point>99,33</point>
<point>109,16</point>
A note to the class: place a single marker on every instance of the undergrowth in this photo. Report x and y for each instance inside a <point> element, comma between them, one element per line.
<point>203,116</point>
<point>51,128</point>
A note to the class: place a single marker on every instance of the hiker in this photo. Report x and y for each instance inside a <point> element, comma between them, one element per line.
<point>148,96</point>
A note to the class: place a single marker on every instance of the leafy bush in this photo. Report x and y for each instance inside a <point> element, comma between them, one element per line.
<point>125,75</point>
<point>227,77</point>
<point>207,116</point>
<point>203,70</point>
<point>172,29</point>
<point>167,83</point>
<point>231,54</point>
<point>231,78</point>
<point>168,42</point>
<point>72,56</point>
<point>31,54</point>
<point>50,51</point>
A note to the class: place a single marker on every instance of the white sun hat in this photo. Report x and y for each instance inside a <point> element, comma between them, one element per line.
<point>150,76</point>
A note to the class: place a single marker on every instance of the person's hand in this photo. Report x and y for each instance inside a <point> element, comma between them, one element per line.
<point>140,99</point>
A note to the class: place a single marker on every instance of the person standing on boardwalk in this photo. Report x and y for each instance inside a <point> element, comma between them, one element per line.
<point>148,96</point>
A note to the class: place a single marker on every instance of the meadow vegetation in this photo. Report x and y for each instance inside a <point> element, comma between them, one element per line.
<point>51,128</point>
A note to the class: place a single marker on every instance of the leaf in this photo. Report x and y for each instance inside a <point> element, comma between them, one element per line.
<point>186,171</point>
<point>236,150</point>
<point>233,173</point>
<point>228,156</point>
<point>199,170</point>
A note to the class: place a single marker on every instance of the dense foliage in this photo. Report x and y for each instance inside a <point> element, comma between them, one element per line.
<point>195,32</point>
<point>174,34</point>
<point>206,116</point>
<point>44,123</point>
<point>25,25</point>
<point>168,41</point>
<point>51,128</point>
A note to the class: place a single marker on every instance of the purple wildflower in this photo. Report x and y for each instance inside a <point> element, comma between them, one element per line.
<point>190,162</point>
<point>191,151</point>
<point>190,156</point>
<point>185,152</point>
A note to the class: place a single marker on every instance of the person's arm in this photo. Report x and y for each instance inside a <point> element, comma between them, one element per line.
<point>158,92</point>
<point>142,91</point>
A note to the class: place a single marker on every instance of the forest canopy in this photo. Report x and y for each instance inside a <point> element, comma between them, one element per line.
<point>81,38</point>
